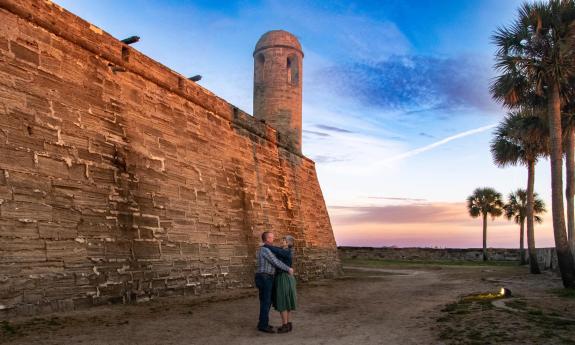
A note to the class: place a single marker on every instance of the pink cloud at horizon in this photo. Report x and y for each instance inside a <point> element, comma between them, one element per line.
<point>427,225</point>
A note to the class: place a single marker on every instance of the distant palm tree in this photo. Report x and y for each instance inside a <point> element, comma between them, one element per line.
<point>537,53</point>
<point>483,202</point>
<point>521,138</point>
<point>516,209</point>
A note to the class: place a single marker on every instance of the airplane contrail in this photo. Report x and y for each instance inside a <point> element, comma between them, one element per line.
<point>438,143</point>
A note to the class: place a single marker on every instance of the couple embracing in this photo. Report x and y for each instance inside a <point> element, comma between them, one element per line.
<point>275,282</point>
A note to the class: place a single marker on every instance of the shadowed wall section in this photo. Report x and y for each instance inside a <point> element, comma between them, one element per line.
<point>121,180</point>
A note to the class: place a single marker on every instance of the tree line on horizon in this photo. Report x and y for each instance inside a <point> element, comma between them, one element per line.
<point>535,61</point>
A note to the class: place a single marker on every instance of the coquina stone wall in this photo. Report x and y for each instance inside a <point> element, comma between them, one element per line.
<point>121,180</point>
<point>546,257</point>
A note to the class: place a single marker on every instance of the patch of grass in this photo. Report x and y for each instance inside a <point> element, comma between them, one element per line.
<point>7,328</point>
<point>517,304</point>
<point>565,293</point>
<point>566,341</point>
<point>54,322</point>
<point>535,312</point>
<point>456,307</point>
<point>448,333</point>
<point>39,322</point>
<point>474,319</point>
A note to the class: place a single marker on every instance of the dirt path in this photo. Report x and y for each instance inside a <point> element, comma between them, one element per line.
<point>366,306</point>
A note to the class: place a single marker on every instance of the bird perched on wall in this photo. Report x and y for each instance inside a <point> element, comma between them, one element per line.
<point>131,39</point>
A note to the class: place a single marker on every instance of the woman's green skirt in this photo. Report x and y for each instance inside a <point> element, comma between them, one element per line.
<point>284,296</point>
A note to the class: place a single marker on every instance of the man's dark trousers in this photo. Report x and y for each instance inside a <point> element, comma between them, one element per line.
<point>265,285</point>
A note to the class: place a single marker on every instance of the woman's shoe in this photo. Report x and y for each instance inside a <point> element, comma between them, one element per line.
<point>289,326</point>
<point>284,329</point>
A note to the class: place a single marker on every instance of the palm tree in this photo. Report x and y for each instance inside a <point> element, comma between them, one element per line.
<point>483,202</point>
<point>521,138</point>
<point>536,54</point>
<point>568,125</point>
<point>516,209</point>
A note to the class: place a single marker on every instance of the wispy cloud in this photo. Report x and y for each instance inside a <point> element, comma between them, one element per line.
<point>436,144</point>
<point>410,82</point>
<point>423,134</point>
<point>327,159</point>
<point>319,134</point>
<point>395,198</point>
<point>333,129</point>
<point>394,214</point>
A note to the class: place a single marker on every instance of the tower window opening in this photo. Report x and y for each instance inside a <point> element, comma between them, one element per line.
<point>259,70</point>
<point>292,70</point>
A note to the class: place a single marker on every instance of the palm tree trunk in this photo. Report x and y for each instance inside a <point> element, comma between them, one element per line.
<point>533,264</point>
<point>570,188</point>
<point>564,257</point>
<point>522,242</point>
<point>485,237</point>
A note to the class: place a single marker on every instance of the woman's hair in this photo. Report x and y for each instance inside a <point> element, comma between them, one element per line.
<point>290,241</point>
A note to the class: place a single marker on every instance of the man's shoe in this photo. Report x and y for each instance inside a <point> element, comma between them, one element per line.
<point>269,329</point>
<point>283,329</point>
<point>290,327</point>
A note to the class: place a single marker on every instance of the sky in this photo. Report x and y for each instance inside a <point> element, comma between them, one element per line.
<point>396,109</point>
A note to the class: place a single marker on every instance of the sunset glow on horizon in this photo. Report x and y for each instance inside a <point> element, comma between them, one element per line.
<point>447,226</point>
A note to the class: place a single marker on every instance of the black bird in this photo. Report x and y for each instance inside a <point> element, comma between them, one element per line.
<point>131,39</point>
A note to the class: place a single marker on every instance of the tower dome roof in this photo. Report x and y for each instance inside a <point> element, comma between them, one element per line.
<point>278,38</point>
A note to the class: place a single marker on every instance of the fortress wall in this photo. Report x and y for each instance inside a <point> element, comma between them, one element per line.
<point>117,186</point>
<point>427,254</point>
<point>546,257</point>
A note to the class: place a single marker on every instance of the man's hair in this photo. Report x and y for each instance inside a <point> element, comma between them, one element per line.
<point>290,241</point>
<point>265,235</point>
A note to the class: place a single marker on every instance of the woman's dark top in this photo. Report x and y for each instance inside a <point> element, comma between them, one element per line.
<point>284,255</point>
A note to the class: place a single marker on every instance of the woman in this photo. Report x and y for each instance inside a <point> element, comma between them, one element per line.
<point>284,293</point>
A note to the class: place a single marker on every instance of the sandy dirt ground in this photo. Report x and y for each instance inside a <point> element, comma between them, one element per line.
<point>367,305</point>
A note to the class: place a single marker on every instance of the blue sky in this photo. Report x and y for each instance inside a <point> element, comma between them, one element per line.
<point>396,111</point>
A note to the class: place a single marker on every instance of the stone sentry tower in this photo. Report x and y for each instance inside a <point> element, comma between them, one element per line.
<point>278,85</point>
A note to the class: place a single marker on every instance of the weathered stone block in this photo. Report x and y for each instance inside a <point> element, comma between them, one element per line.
<point>52,167</point>
<point>18,229</point>
<point>57,231</point>
<point>13,159</point>
<point>102,175</point>
<point>22,250</point>
<point>28,180</point>
<point>29,195</point>
<point>190,249</point>
<point>66,250</point>
<point>24,53</point>
<point>147,220</point>
<point>5,193</point>
<point>146,249</point>
<point>118,250</point>
<point>93,199</point>
<point>26,211</point>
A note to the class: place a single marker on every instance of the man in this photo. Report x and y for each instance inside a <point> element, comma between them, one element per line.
<point>267,265</point>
